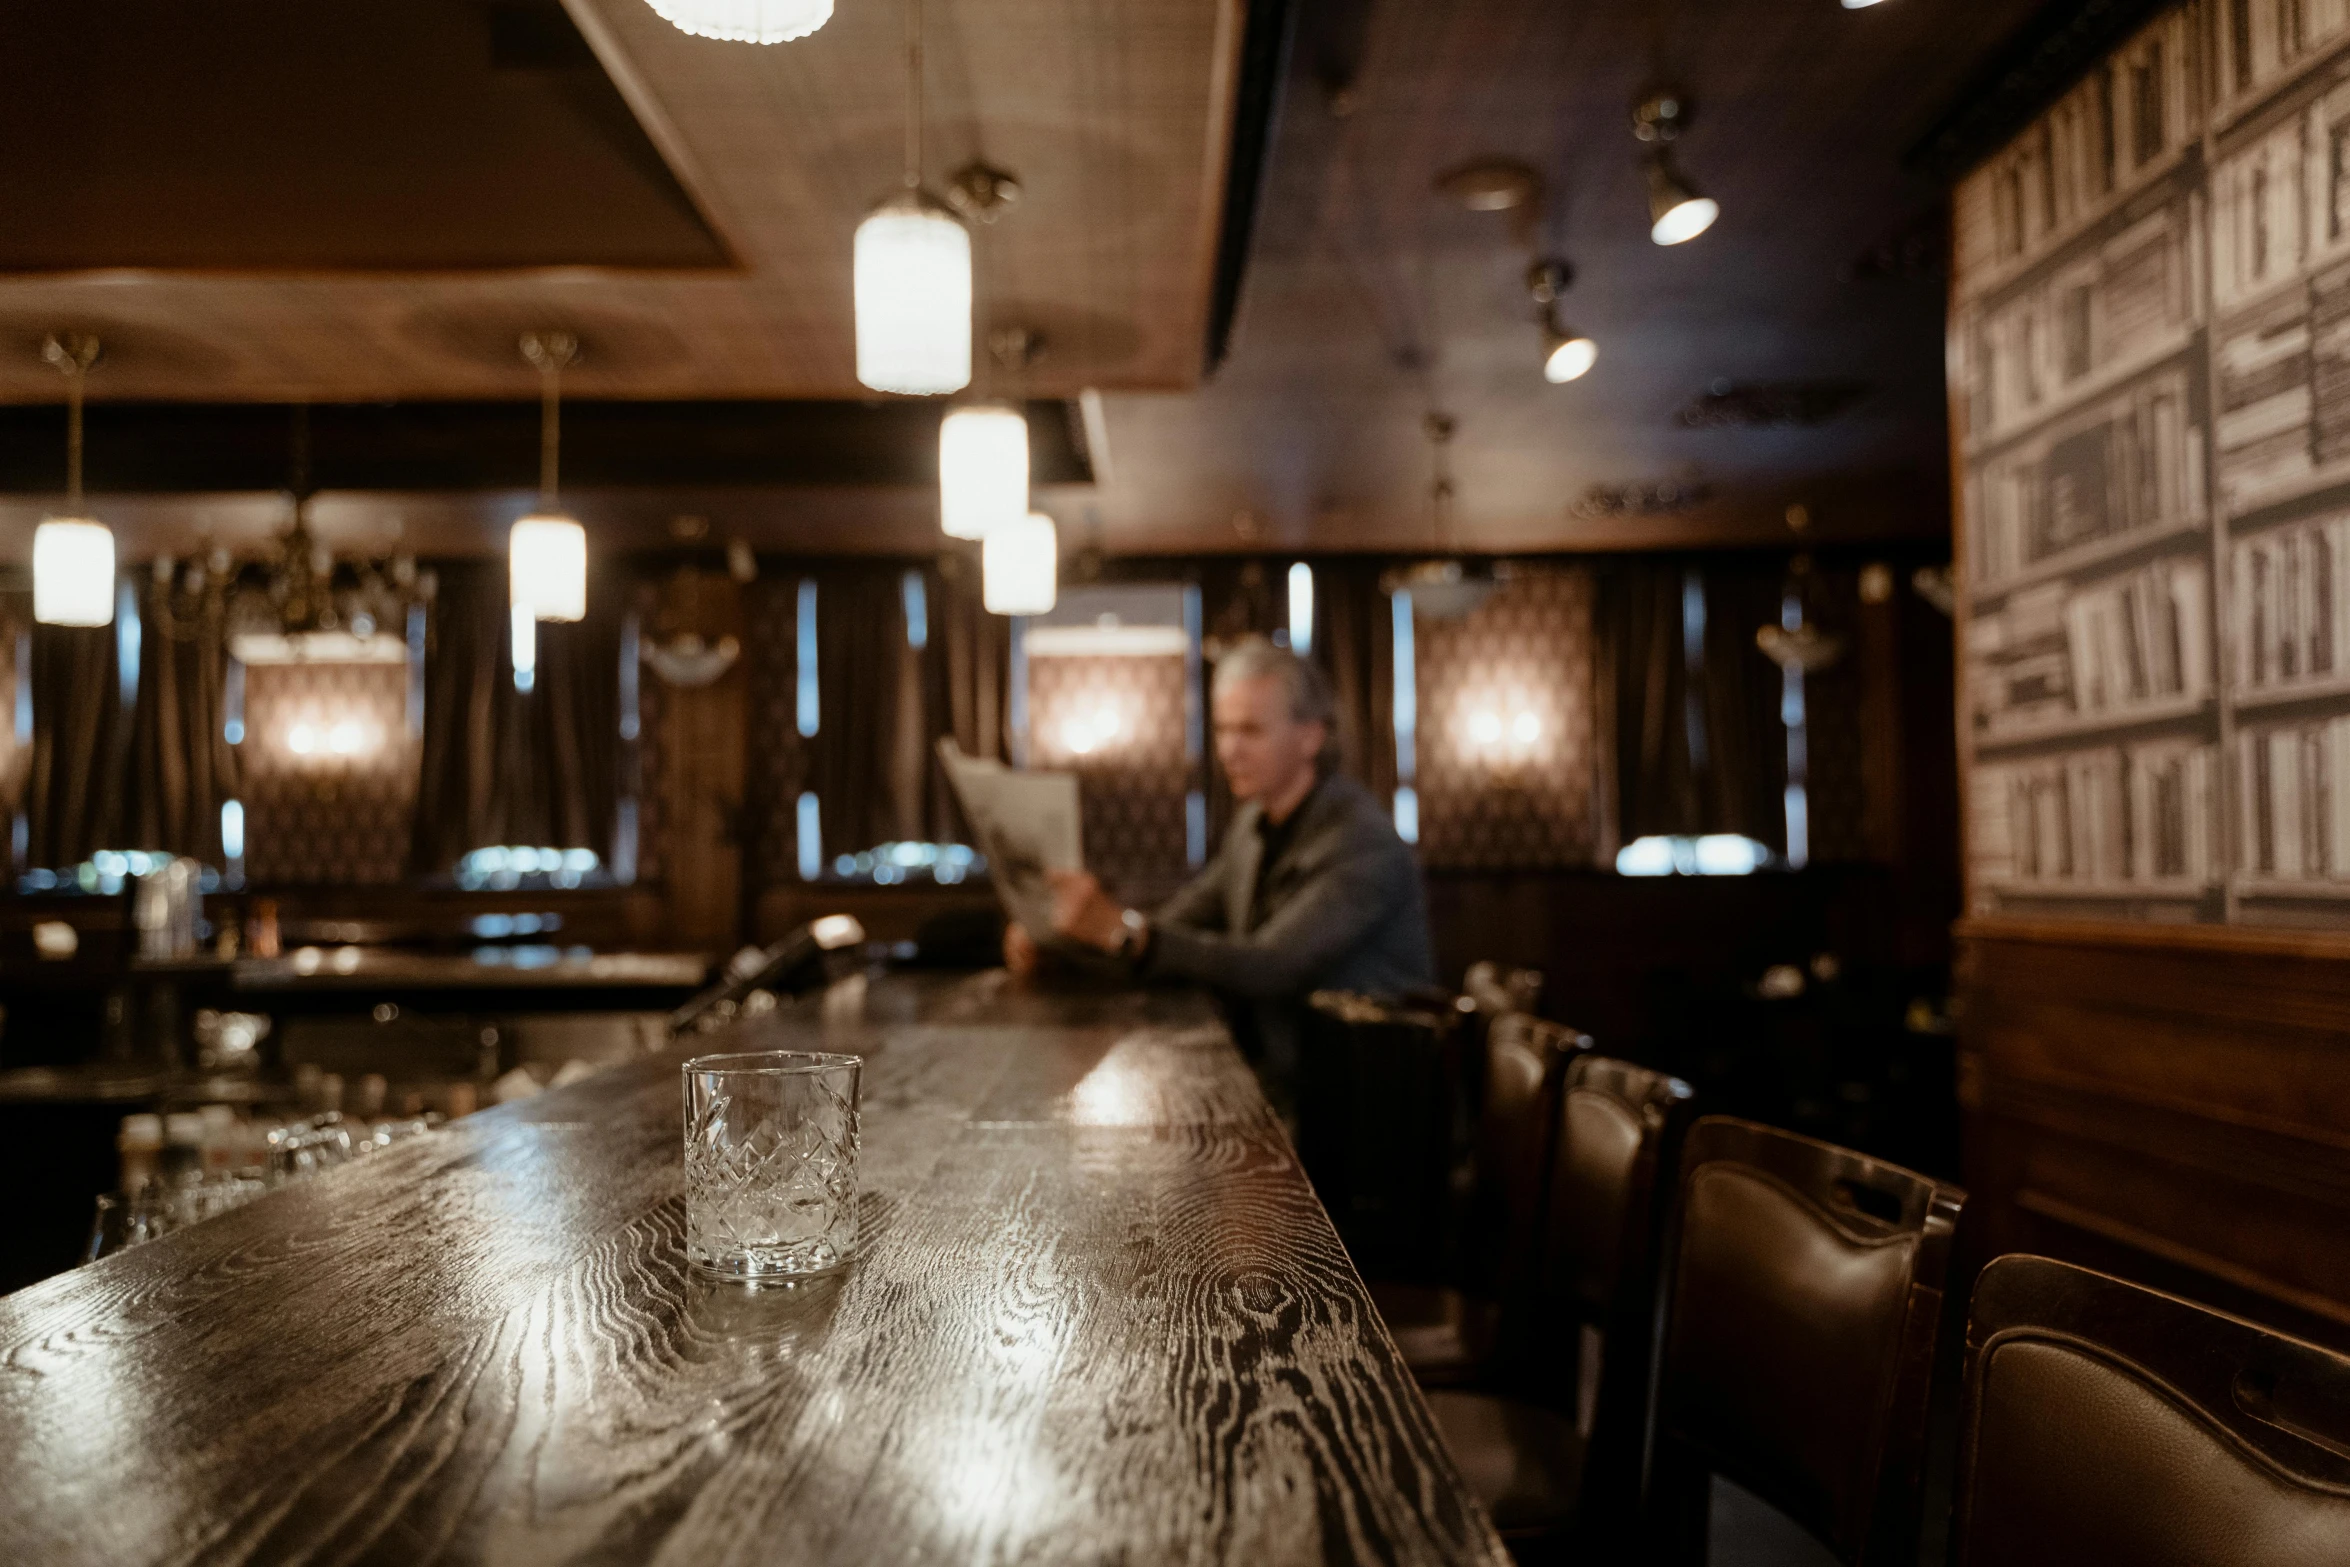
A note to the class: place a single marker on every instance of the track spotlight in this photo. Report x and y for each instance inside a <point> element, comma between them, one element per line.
<point>1567,355</point>
<point>1677,211</point>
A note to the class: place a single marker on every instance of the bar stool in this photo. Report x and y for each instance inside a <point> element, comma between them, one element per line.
<point>1558,1460</point>
<point>1496,989</point>
<point>1452,1333</point>
<point>1375,1129</point>
<point>2106,1425</point>
<point>1804,1300</point>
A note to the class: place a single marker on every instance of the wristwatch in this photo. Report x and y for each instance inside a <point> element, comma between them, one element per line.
<point>1134,938</point>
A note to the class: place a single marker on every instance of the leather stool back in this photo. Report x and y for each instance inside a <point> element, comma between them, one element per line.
<point>2110,1426</point>
<point>1798,1342</point>
<point>1376,1117</point>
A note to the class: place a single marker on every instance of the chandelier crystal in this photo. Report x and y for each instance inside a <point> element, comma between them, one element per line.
<point>982,469</point>
<point>745,21</point>
<point>1020,567</point>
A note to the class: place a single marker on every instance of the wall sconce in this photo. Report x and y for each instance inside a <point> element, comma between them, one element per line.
<point>1084,734</point>
<point>1504,736</point>
<point>346,738</point>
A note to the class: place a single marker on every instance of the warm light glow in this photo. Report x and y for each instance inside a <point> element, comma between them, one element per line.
<point>73,573</point>
<point>546,560</point>
<point>344,739</point>
<point>1084,734</point>
<point>1685,220</point>
<point>750,21</point>
<point>1020,567</point>
<point>913,285</point>
<point>1525,729</point>
<point>1078,736</point>
<point>1485,728</point>
<point>1570,359</point>
<point>301,739</point>
<point>982,469</point>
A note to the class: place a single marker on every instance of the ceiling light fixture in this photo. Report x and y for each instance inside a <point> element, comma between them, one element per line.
<point>912,272</point>
<point>1020,567</point>
<point>1443,589</point>
<point>1677,212</point>
<point>547,550</point>
<point>983,451</point>
<point>73,555</point>
<point>1858,5</point>
<point>1567,354</point>
<point>746,21</point>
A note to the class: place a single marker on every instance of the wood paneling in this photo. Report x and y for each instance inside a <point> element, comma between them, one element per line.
<point>2172,1101</point>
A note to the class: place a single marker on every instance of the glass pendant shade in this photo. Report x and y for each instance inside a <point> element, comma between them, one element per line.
<point>546,559</point>
<point>982,469</point>
<point>1020,567</point>
<point>1567,356</point>
<point>73,573</point>
<point>913,284</point>
<point>1677,213</point>
<point>745,21</point>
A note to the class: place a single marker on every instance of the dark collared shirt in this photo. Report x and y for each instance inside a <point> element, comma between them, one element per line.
<point>1272,842</point>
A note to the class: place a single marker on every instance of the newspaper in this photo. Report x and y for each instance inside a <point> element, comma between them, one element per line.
<point>1027,824</point>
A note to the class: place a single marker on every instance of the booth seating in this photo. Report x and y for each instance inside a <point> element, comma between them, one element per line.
<point>2106,1425</point>
<point>1804,1299</point>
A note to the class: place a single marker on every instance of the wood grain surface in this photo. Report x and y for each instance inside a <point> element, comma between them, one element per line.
<point>1098,1317</point>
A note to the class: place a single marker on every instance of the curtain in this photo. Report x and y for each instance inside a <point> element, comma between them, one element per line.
<point>73,790</point>
<point>1354,642</point>
<point>1695,749</point>
<point>966,679</point>
<point>865,761</point>
<point>503,766</point>
<point>182,765</point>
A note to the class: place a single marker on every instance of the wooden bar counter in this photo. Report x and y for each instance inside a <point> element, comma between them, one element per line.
<point>1097,1316</point>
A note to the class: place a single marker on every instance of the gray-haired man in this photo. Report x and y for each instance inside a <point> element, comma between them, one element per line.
<point>1310,890</point>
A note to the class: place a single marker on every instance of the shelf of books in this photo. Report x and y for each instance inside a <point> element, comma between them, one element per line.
<point>2150,366</point>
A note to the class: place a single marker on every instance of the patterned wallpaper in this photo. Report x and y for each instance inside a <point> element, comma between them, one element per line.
<point>1506,752</point>
<point>316,814</point>
<point>1131,771</point>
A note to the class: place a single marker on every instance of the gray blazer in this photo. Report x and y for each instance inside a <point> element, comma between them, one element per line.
<point>1344,911</point>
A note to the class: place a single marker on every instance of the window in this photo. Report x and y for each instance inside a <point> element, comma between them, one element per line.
<point>917,612</point>
<point>810,707</point>
<point>1301,608</point>
<point>1406,719</point>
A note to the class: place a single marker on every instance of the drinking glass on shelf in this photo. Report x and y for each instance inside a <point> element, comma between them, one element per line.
<point>771,1163</point>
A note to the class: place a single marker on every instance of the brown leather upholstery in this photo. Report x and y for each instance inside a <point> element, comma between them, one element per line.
<point>1799,1340</point>
<point>1495,989</point>
<point>1559,1445</point>
<point>2107,1424</point>
<point>1377,1110</point>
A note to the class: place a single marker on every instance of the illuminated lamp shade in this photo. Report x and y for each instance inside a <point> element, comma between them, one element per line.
<point>546,561</point>
<point>982,469</point>
<point>1567,356</point>
<point>913,281</point>
<point>1677,213</point>
<point>1020,567</point>
<point>745,21</point>
<point>73,573</point>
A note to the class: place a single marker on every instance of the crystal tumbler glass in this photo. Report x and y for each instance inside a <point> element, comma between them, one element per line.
<point>771,1163</point>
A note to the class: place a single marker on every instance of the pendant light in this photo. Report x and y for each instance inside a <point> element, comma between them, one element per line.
<point>547,550</point>
<point>73,555</point>
<point>745,21</point>
<point>1677,213</point>
<point>912,272</point>
<point>1020,567</point>
<point>983,450</point>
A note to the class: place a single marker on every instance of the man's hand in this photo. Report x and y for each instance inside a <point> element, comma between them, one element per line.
<point>1019,950</point>
<point>1085,914</point>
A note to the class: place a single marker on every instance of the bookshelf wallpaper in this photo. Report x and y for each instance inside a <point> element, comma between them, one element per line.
<point>2149,355</point>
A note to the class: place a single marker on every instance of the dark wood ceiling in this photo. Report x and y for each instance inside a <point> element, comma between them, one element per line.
<point>1368,300</point>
